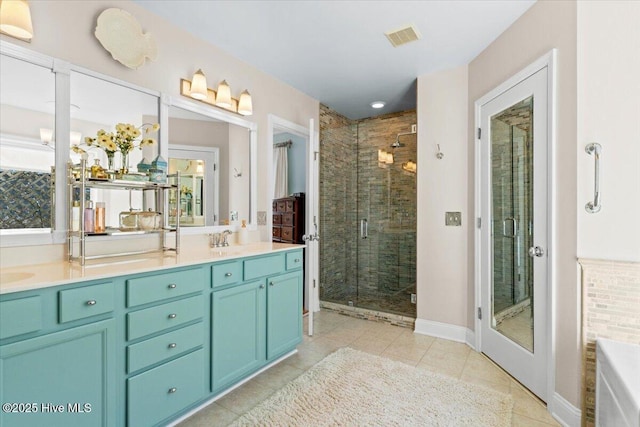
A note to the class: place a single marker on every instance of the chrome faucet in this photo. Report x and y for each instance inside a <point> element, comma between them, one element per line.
<point>217,240</point>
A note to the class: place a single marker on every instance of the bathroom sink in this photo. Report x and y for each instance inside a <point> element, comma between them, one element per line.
<point>14,277</point>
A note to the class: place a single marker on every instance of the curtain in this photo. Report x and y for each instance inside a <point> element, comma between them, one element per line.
<point>281,170</point>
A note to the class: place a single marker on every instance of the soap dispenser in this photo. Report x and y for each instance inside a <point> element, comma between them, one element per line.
<point>243,234</point>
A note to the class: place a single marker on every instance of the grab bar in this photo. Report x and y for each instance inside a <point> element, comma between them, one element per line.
<point>595,149</point>
<point>364,229</point>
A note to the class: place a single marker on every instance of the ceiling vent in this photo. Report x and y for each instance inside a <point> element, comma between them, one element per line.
<point>403,36</point>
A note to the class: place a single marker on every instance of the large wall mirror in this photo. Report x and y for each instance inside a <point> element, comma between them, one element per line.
<point>213,152</point>
<point>27,146</point>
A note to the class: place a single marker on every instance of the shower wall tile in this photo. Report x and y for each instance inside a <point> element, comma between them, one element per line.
<point>25,199</point>
<point>377,272</point>
<point>610,309</point>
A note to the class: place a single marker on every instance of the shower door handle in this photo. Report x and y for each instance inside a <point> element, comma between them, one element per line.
<point>514,227</point>
<point>364,229</point>
<point>536,251</point>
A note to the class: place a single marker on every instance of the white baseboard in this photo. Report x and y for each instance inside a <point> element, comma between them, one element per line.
<point>471,339</point>
<point>444,330</point>
<point>564,412</point>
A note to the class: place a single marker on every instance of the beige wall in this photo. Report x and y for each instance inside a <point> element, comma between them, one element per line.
<point>609,113</point>
<point>442,270</point>
<point>546,25</point>
<point>64,29</point>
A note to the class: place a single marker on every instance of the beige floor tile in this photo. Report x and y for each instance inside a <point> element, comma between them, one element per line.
<point>450,347</point>
<point>278,376</point>
<point>451,363</point>
<point>324,345</point>
<point>304,359</point>
<point>480,366</point>
<point>399,359</point>
<point>410,352</point>
<point>529,406</point>
<point>213,415</point>
<point>344,336</point>
<point>369,347</point>
<point>408,337</point>
<point>498,386</point>
<point>522,421</point>
<point>246,397</point>
<point>448,370</point>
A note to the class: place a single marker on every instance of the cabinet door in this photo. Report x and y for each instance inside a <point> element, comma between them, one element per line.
<point>284,313</point>
<point>238,332</point>
<point>65,379</point>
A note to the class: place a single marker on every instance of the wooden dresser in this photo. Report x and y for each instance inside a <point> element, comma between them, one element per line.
<point>288,219</point>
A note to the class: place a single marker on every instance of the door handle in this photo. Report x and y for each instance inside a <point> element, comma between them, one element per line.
<point>364,229</point>
<point>514,227</point>
<point>536,251</point>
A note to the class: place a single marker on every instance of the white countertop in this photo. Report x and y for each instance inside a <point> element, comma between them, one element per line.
<point>36,276</point>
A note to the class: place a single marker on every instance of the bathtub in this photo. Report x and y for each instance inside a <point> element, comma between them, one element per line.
<point>617,384</point>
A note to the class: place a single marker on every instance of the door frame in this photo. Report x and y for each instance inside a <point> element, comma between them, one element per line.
<point>278,123</point>
<point>549,61</point>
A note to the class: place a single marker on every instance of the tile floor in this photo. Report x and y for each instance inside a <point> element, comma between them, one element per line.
<point>519,328</point>
<point>333,331</point>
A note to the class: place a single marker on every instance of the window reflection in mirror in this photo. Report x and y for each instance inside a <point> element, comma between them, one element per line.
<point>27,117</point>
<point>224,150</point>
<point>98,105</point>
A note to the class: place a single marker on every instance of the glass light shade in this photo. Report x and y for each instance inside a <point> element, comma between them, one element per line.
<point>15,19</point>
<point>223,95</point>
<point>75,137</point>
<point>46,136</point>
<point>199,86</point>
<point>245,106</point>
<point>389,158</point>
<point>410,166</point>
<point>382,156</point>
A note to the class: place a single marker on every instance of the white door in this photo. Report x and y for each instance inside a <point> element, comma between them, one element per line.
<point>313,220</point>
<point>513,252</point>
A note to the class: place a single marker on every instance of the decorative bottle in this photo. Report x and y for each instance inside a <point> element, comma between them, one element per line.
<point>100,226</point>
<point>97,171</point>
<point>75,216</point>
<point>89,218</point>
<point>243,234</point>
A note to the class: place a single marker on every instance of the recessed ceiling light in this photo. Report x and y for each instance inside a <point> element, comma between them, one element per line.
<point>377,104</point>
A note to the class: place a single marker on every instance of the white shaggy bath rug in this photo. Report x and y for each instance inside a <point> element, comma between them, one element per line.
<point>352,388</point>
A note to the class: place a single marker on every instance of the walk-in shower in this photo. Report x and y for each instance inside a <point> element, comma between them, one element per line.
<point>368,212</point>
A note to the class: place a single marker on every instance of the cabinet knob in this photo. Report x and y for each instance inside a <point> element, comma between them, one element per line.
<point>173,316</point>
<point>172,286</point>
<point>297,260</point>
<point>271,284</point>
<point>91,302</point>
<point>173,390</point>
<point>173,345</point>
<point>261,286</point>
<point>228,274</point>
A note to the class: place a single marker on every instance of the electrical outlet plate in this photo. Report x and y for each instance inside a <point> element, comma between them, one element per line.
<point>262,217</point>
<point>453,219</point>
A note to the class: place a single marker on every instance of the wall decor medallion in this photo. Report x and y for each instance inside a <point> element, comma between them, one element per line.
<point>121,35</point>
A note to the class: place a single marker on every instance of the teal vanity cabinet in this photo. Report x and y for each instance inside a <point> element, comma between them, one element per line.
<point>57,357</point>
<point>255,321</point>
<point>165,344</point>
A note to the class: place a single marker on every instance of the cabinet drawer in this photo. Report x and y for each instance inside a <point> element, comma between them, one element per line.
<point>286,233</point>
<point>156,319</point>
<point>161,392</point>
<point>294,260</point>
<point>287,219</point>
<point>157,349</point>
<point>259,267</point>
<point>148,289</point>
<point>20,316</point>
<point>87,301</point>
<point>226,273</point>
<point>275,232</point>
<point>277,219</point>
<point>281,206</point>
<point>290,206</point>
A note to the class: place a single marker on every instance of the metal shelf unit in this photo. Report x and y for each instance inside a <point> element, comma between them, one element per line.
<point>161,205</point>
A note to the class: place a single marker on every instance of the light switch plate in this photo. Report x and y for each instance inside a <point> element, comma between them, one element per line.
<point>453,219</point>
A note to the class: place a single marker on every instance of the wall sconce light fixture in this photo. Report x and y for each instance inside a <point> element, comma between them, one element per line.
<point>385,157</point>
<point>197,89</point>
<point>410,166</point>
<point>15,19</point>
<point>46,137</point>
<point>199,86</point>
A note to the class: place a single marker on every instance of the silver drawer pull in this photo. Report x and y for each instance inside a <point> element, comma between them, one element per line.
<point>172,286</point>
<point>228,274</point>
<point>91,302</point>
<point>173,390</point>
<point>271,284</point>
<point>173,316</point>
<point>297,260</point>
<point>261,286</point>
<point>173,345</point>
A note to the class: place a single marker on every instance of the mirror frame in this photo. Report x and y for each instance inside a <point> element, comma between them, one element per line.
<point>167,101</point>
